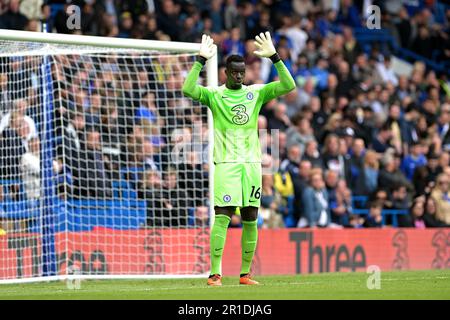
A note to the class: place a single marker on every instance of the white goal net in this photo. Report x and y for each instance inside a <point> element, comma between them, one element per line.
<point>104,164</point>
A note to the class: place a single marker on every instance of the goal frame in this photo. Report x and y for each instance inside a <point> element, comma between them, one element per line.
<point>127,44</point>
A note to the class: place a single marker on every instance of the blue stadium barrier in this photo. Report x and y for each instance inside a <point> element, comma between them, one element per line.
<point>83,215</point>
<point>394,213</point>
<point>359,201</point>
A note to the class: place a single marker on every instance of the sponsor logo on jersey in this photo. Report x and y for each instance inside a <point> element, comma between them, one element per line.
<point>250,96</point>
<point>227,198</point>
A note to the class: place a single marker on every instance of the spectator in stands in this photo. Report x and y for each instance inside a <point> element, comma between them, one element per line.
<point>386,72</point>
<point>312,154</point>
<point>355,221</point>
<point>4,94</point>
<point>280,120</point>
<point>348,14</point>
<point>111,119</point>
<point>12,150</point>
<point>270,203</point>
<point>177,200</point>
<point>444,126</point>
<point>404,27</point>
<point>444,160</point>
<point>390,174</point>
<point>423,43</point>
<point>367,179</point>
<point>300,181</point>
<point>399,198</point>
<point>290,164</point>
<point>16,132</point>
<point>316,211</point>
<point>336,201</point>
<point>126,25</point>
<point>284,185</point>
<point>331,181</point>
<point>60,19</point>
<point>168,19</point>
<point>346,84</point>
<point>282,140</point>
<point>300,133</point>
<point>305,92</point>
<point>430,218</point>
<point>30,166</point>
<point>18,119</point>
<point>31,9</point>
<point>158,207</point>
<point>414,160</point>
<point>201,216</point>
<point>192,179</point>
<point>332,126</point>
<point>398,128</point>
<point>93,112</point>
<point>233,44</point>
<point>147,111</point>
<point>425,176</point>
<point>357,157</point>
<point>333,159</point>
<point>416,217</point>
<point>374,218</point>
<point>441,196</point>
<point>13,18</point>
<point>92,179</point>
<point>341,205</point>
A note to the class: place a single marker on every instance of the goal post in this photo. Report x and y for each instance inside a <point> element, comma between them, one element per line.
<point>107,168</point>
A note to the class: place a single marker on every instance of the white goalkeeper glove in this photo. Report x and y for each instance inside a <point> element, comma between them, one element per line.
<point>207,47</point>
<point>265,46</point>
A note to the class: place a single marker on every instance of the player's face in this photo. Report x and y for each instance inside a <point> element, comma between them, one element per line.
<point>235,74</point>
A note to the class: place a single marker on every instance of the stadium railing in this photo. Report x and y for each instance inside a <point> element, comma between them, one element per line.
<point>359,204</point>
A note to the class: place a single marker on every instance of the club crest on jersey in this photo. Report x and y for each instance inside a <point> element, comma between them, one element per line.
<point>227,198</point>
<point>250,96</point>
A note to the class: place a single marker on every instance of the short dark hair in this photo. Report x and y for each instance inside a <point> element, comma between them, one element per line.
<point>234,58</point>
<point>375,204</point>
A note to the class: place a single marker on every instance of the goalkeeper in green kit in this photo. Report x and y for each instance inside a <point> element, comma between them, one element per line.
<point>237,153</point>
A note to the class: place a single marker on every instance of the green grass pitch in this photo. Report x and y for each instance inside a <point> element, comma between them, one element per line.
<point>394,285</point>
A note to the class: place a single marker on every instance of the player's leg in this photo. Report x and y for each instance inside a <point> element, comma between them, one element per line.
<point>252,181</point>
<point>249,240</point>
<point>217,242</point>
<point>226,198</point>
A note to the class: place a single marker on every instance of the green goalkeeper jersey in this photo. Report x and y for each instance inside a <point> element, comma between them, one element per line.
<point>235,113</point>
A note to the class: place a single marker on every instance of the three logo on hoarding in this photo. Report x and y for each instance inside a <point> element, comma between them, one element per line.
<point>400,243</point>
<point>441,242</point>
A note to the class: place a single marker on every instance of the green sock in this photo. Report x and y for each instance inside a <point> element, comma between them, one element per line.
<point>217,242</point>
<point>248,244</point>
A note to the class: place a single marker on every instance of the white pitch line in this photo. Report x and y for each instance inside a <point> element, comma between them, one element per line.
<point>133,289</point>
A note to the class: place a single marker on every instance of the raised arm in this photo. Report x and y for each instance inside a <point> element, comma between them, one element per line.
<point>190,86</point>
<point>286,83</point>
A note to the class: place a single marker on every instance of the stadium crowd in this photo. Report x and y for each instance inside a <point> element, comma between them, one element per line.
<point>353,128</point>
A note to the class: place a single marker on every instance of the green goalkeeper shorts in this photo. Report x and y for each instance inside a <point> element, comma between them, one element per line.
<point>237,184</point>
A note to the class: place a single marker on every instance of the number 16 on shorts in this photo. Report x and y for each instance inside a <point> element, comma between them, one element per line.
<point>237,184</point>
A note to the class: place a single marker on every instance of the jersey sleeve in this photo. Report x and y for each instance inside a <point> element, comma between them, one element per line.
<point>193,90</point>
<point>275,89</point>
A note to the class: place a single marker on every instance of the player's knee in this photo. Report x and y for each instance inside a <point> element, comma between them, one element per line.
<point>249,213</point>
<point>228,211</point>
